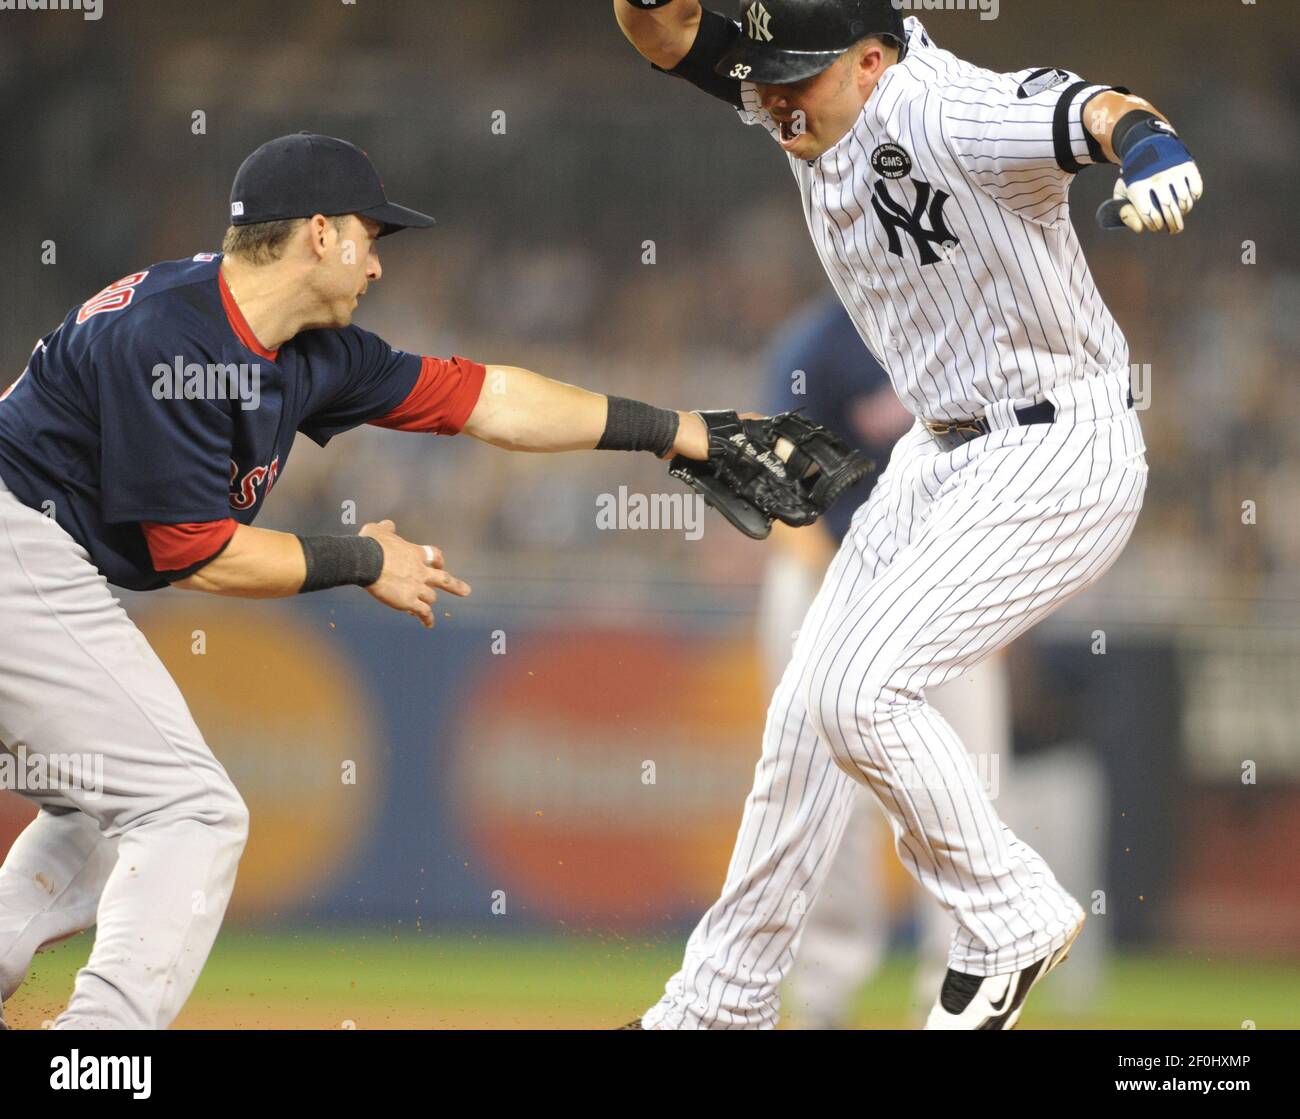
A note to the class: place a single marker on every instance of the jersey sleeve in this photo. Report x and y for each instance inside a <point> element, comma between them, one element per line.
<point>357,377</point>
<point>716,36</point>
<point>162,457</point>
<point>1021,137</point>
<point>179,550</point>
<point>441,401</point>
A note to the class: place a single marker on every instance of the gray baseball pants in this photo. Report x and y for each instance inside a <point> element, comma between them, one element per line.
<point>140,829</point>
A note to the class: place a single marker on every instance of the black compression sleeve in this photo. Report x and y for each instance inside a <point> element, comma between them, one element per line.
<point>340,561</point>
<point>716,36</point>
<point>631,425</point>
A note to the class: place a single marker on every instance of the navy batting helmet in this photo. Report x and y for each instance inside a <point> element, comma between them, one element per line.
<point>785,41</point>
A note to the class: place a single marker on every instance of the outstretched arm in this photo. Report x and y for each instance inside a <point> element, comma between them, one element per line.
<point>524,411</point>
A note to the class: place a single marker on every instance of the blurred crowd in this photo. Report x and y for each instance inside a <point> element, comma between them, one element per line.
<point>609,226</point>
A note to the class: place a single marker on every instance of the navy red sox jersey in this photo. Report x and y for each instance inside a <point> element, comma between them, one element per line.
<point>152,422</point>
<point>942,220</point>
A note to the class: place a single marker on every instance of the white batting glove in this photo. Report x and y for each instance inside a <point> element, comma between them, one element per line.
<point>1160,202</point>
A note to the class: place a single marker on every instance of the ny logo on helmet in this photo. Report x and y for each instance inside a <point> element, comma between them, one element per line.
<point>759,17</point>
<point>895,216</point>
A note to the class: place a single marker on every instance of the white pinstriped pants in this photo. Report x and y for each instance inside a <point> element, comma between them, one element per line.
<point>953,556</point>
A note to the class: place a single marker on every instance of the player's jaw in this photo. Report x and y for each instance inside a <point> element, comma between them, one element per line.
<point>334,306</point>
<point>809,113</point>
<point>347,276</point>
<point>806,136</point>
<point>796,137</point>
<point>816,113</point>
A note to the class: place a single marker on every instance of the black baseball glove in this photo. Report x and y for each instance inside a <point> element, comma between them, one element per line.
<point>784,468</point>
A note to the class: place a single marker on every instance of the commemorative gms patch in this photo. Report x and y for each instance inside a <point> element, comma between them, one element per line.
<point>1040,81</point>
<point>891,162</point>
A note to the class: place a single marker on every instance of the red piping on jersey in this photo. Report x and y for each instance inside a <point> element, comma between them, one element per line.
<point>239,324</point>
<point>443,397</point>
<point>177,547</point>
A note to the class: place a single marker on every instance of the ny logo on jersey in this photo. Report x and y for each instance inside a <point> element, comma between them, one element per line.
<point>895,215</point>
<point>759,18</point>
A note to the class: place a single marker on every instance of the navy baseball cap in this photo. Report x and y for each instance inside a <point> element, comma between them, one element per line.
<point>306,173</point>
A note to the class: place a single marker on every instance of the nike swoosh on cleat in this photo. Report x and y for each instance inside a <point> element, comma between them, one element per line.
<point>1006,1000</point>
<point>1017,993</point>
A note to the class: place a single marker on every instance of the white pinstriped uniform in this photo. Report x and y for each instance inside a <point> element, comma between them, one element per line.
<point>1009,308</point>
<point>955,553</point>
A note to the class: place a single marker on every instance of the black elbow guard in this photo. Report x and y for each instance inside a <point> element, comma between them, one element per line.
<point>716,36</point>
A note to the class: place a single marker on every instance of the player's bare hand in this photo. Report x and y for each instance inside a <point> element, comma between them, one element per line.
<point>413,574</point>
<point>692,439</point>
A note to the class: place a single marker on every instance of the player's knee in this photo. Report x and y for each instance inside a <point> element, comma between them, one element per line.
<point>230,818</point>
<point>829,708</point>
<point>212,803</point>
<point>846,708</point>
<point>224,817</point>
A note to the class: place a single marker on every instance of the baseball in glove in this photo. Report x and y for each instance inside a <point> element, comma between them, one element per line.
<point>783,467</point>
